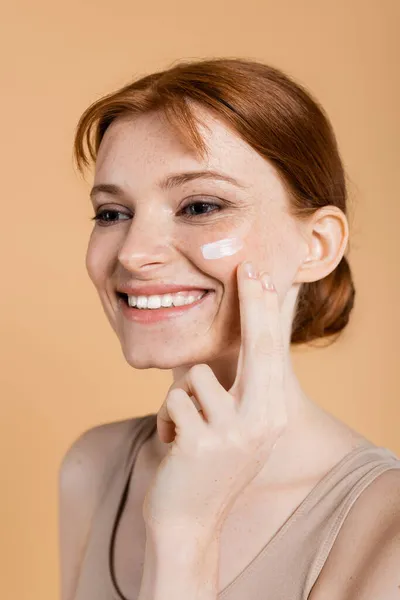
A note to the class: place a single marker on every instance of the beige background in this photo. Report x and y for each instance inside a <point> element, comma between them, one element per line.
<point>62,370</point>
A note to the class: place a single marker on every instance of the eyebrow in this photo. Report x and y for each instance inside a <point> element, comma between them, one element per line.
<point>170,182</point>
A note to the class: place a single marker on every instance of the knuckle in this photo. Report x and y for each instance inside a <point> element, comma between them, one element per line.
<point>279,347</point>
<point>263,345</point>
<point>266,345</point>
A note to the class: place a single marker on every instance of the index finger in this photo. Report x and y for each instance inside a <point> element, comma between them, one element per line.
<point>260,372</point>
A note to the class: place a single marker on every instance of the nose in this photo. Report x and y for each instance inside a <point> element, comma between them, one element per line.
<point>147,244</point>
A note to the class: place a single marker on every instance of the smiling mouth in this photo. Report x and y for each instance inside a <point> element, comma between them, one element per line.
<point>149,316</point>
<point>124,298</point>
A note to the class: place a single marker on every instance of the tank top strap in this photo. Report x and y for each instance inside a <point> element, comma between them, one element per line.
<point>123,457</point>
<point>344,490</point>
<point>143,428</point>
<point>95,578</point>
<point>289,564</point>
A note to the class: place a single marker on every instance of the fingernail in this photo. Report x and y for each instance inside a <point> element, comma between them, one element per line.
<point>250,270</point>
<point>266,282</point>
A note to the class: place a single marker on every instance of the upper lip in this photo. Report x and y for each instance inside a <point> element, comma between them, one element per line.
<point>156,289</point>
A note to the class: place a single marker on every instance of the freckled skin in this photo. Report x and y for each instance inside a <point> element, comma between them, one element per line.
<point>156,245</point>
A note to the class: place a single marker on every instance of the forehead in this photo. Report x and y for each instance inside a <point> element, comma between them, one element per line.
<point>148,147</point>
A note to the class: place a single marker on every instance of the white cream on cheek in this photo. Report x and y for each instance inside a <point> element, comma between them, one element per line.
<point>221,248</point>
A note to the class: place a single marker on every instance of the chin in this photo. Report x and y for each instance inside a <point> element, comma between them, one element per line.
<point>160,358</point>
<point>164,357</point>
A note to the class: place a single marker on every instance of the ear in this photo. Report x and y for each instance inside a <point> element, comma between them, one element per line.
<point>326,235</point>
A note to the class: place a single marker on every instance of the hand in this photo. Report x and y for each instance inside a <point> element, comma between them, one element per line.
<point>217,452</point>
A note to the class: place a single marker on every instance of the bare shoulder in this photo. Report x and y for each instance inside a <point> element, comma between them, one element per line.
<point>81,477</point>
<point>92,450</point>
<point>86,464</point>
<point>370,530</point>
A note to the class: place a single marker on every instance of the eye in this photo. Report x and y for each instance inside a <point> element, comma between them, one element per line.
<point>194,210</point>
<point>199,206</point>
<point>100,217</point>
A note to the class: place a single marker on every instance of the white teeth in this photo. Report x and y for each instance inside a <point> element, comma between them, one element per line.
<point>180,301</point>
<point>165,300</point>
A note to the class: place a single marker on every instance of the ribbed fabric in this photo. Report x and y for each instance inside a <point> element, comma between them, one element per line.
<point>290,563</point>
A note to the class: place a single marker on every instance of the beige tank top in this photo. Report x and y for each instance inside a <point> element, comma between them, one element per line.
<point>285,569</point>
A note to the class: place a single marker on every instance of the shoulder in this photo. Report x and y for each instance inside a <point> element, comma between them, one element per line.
<point>89,455</point>
<point>82,475</point>
<point>364,563</point>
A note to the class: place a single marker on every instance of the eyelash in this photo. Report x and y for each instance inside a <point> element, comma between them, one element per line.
<point>100,215</point>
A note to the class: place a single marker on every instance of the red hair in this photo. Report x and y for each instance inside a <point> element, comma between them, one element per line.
<point>280,120</point>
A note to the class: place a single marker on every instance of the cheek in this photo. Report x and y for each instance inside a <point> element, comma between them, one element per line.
<point>281,255</point>
<point>98,260</point>
<point>232,247</point>
<point>274,250</point>
<point>218,250</point>
<point>220,257</point>
<point>221,248</point>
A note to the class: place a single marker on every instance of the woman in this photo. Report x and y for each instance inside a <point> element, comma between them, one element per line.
<point>241,486</point>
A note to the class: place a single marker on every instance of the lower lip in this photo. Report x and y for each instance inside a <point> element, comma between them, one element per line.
<point>148,315</point>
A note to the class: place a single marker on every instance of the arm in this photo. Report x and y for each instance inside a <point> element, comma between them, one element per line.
<point>81,477</point>
<point>180,565</point>
<point>378,578</point>
<point>364,563</point>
